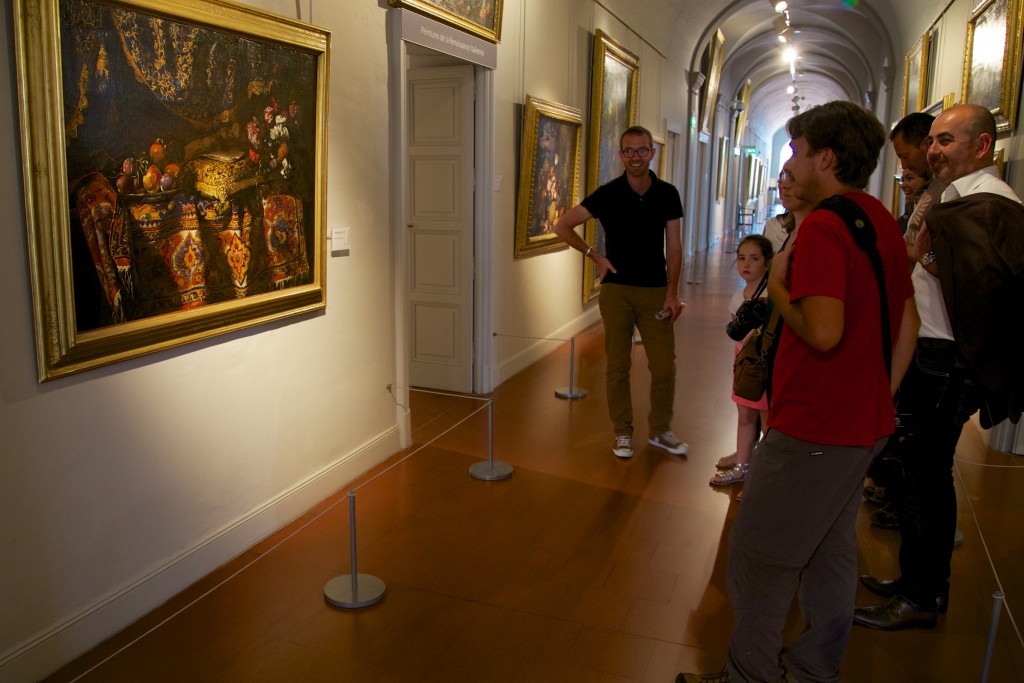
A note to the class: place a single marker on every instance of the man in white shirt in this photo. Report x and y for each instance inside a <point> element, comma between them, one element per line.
<point>959,359</point>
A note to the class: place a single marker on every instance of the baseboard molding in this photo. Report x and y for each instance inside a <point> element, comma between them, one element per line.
<point>50,649</point>
<point>542,347</point>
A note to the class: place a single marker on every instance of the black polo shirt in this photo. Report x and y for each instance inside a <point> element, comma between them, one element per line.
<point>634,229</point>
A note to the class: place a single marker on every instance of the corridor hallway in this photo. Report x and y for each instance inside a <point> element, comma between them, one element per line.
<point>580,567</point>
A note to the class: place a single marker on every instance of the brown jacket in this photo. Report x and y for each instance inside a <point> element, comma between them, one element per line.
<point>979,247</point>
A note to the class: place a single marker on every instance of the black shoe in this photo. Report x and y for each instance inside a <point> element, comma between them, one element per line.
<point>890,587</point>
<point>895,614</point>
<point>875,494</point>
<point>886,517</point>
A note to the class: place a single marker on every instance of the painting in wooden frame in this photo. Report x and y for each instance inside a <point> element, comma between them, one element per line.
<point>162,210</point>
<point>713,73</point>
<point>479,17</point>
<point>992,56</point>
<point>723,166</point>
<point>548,174</point>
<point>915,76</point>
<point>613,104</point>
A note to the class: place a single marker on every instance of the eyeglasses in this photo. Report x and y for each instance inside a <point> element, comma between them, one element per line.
<point>628,152</point>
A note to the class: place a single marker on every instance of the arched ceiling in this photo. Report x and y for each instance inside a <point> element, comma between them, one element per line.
<point>843,50</point>
<point>848,49</point>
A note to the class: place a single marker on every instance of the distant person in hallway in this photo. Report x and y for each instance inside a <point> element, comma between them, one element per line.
<point>753,256</point>
<point>830,414</point>
<point>778,228</point>
<point>968,283</point>
<point>639,274</point>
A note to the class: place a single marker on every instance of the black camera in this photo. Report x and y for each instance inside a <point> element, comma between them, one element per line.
<point>749,316</point>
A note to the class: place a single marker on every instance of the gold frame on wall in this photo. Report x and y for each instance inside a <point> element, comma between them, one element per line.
<point>724,153</point>
<point>465,19</point>
<point>915,71</point>
<point>63,160</point>
<point>994,83</point>
<point>741,120</point>
<point>549,174</point>
<point>614,88</point>
<point>716,56</point>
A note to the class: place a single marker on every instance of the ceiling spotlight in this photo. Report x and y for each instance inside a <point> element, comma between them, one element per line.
<point>778,5</point>
<point>789,54</point>
<point>790,89</point>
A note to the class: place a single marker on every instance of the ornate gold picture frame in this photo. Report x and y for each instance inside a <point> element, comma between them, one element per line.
<point>992,60</point>
<point>709,91</point>
<point>479,17</point>
<point>549,177</point>
<point>915,76</point>
<point>613,104</point>
<point>174,170</point>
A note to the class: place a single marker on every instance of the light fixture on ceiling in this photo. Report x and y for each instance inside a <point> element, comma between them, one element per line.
<point>786,34</point>
<point>790,89</point>
<point>778,5</point>
<point>789,54</point>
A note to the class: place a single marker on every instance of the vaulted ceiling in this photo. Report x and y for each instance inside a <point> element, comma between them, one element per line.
<point>848,49</point>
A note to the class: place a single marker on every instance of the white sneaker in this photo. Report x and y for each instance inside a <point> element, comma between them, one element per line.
<point>670,443</point>
<point>623,447</point>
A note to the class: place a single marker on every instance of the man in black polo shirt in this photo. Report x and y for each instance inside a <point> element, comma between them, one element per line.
<point>639,274</point>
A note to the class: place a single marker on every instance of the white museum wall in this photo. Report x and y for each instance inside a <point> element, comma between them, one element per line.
<point>123,485</point>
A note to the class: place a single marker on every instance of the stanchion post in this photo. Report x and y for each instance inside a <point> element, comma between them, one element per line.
<point>571,391</point>
<point>354,590</point>
<point>997,604</point>
<point>490,470</point>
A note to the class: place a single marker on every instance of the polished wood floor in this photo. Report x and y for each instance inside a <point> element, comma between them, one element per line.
<point>579,567</point>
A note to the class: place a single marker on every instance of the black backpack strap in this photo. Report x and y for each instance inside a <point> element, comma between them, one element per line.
<point>865,237</point>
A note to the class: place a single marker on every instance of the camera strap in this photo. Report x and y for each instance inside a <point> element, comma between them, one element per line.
<point>865,237</point>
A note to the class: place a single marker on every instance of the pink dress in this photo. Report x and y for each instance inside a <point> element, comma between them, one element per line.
<point>734,303</point>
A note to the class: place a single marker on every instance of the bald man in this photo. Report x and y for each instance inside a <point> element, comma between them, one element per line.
<point>967,287</point>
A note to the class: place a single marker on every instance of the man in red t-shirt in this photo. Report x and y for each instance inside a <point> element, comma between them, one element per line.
<point>831,409</point>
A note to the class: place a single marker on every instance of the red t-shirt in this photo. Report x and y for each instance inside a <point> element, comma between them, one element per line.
<point>841,397</point>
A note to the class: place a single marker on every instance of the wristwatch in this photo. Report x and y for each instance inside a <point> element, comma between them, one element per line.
<point>927,259</point>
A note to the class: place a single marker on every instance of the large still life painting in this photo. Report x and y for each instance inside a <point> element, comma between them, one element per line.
<point>548,174</point>
<point>613,104</point>
<point>174,181</point>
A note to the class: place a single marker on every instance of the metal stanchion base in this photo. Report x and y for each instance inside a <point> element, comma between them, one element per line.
<point>489,471</point>
<point>369,591</point>
<point>570,392</point>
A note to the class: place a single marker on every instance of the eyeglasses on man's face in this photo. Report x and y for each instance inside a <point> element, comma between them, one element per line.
<point>628,152</point>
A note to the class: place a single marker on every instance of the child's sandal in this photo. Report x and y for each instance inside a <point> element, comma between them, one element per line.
<point>733,475</point>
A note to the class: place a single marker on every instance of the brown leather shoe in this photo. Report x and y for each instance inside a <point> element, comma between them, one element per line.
<point>895,614</point>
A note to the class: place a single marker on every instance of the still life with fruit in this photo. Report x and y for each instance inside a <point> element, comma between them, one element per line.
<point>189,161</point>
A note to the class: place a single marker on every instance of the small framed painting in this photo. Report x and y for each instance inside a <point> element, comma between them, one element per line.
<point>548,174</point>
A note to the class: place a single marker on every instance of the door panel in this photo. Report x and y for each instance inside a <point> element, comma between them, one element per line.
<point>440,227</point>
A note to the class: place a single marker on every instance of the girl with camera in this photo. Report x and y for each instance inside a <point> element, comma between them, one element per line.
<point>753,258</point>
